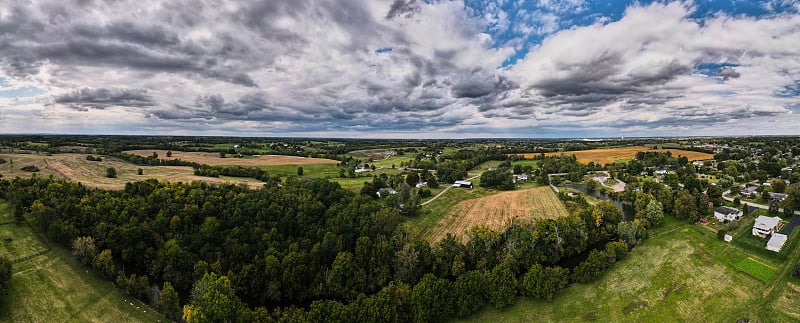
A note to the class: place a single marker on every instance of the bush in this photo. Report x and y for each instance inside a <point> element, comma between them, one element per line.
<point>721,234</point>
<point>796,271</point>
<point>425,193</point>
<point>139,172</point>
<point>111,172</point>
<point>30,168</point>
<point>2,161</point>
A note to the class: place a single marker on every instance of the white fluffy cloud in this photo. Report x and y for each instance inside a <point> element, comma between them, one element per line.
<point>391,68</point>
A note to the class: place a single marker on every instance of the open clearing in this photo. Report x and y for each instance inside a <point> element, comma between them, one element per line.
<point>610,155</point>
<point>75,168</point>
<point>54,287</point>
<point>685,274</point>
<point>496,210</point>
<point>213,159</point>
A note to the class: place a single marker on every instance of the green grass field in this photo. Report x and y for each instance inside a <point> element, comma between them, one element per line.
<point>682,273</point>
<point>757,269</point>
<point>54,287</point>
<point>526,162</point>
<point>23,241</point>
<point>5,213</point>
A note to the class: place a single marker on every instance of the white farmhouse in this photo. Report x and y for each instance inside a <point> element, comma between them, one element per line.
<point>724,213</point>
<point>766,225</point>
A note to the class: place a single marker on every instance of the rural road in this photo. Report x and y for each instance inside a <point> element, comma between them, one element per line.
<point>760,206</point>
<point>444,190</point>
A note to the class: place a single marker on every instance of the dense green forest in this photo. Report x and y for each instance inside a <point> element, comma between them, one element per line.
<point>306,250</point>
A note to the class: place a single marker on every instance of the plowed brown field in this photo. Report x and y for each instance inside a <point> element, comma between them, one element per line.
<point>497,210</point>
<point>604,156</point>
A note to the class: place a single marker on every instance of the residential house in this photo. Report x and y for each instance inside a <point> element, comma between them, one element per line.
<point>726,213</point>
<point>520,178</point>
<point>777,196</point>
<point>749,191</point>
<point>766,225</point>
<point>776,242</point>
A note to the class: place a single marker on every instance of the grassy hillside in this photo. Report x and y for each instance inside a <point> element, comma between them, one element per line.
<point>683,274</point>
<point>54,287</point>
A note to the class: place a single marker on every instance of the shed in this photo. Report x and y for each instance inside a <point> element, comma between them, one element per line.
<point>728,238</point>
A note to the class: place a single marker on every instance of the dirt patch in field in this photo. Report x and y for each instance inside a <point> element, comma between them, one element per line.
<point>610,155</point>
<point>496,211</point>
<point>213,159</point>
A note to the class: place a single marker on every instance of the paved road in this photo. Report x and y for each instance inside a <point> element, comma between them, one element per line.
<point>760,206</point>
<point>444,190</point>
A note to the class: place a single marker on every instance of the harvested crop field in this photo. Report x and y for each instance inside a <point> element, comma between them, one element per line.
<point>75,168</point>
<point>496,210</point>
<point>610,155</point>
<point>213,159</point>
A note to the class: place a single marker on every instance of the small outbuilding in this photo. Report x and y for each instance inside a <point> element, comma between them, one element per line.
<point>776,242</point>
<point>727,238</point>
<point>462,184</point>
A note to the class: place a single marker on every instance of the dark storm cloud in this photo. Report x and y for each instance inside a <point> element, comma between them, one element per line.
<point>402,8</point>
<point>728,73</point>
<point>64,35</point>
<point>86,98</point>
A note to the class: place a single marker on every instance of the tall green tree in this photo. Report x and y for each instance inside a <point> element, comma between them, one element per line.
<point>169,302</point>
<point>213,300</point>
<point>685,206</point>
<point>104,264</point>
<point>654,213</point>
<point>501,286</point>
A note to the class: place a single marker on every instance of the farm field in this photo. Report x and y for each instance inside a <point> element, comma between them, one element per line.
<point>75,168</point>
<point>54,287</point>
<point>610,155</point>
<point>213,159</point>
<point>683,274</point>
<point>494,211</point>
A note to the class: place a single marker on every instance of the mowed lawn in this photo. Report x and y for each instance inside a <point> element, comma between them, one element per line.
<point>54,287</point>
<point>681,275</point>
<point>497,210</point>
<point>610,155</point>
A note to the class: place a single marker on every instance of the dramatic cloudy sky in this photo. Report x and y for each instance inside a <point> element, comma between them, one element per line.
<point>400,68</point>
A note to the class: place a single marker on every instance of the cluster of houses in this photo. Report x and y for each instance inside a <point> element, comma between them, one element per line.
<point>764,226</point>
